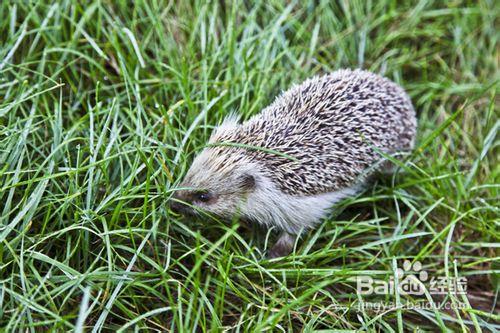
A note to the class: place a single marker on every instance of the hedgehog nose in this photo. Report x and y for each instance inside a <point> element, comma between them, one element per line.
<point>177,204</point>
<point>177,207</point>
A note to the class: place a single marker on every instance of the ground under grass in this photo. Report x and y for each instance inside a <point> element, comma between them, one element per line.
<point>104,104</point>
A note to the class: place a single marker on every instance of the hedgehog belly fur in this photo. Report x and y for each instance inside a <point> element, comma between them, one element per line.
<point>268,205</point>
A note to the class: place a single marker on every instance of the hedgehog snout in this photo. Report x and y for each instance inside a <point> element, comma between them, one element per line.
<point>178,205</point>
<point>187,202</point>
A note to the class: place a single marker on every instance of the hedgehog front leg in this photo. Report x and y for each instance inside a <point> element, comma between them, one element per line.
<point>283,246</point>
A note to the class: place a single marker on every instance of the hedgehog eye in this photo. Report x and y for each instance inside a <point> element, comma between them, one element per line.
<point>203,196</point>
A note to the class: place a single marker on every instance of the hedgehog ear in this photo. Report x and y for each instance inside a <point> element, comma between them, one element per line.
<point>248,182</point>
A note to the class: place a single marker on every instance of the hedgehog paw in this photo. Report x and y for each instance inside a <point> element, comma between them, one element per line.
<point>283,246</point>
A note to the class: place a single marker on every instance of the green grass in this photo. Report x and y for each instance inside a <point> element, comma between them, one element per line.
<point>103,106</point>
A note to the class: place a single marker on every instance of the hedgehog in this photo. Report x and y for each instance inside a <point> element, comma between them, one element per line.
<point>316,144</point>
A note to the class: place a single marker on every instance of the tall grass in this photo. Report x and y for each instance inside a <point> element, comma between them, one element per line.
<point>103,105</point>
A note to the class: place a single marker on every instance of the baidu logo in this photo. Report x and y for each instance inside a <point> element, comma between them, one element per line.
<point>411,279</point>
